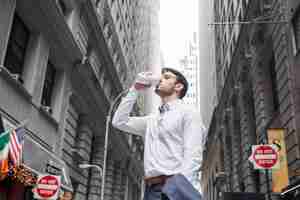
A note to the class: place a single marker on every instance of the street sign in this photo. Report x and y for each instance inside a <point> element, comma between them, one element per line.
<point>48,187</point>
<point>264,157</point>
<point>53,169</point>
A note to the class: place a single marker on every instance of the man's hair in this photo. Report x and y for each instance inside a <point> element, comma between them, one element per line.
<point>180,79</point>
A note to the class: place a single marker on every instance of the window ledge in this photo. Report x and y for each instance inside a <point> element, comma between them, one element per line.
<point>48,115</point>
<point>15,83</point>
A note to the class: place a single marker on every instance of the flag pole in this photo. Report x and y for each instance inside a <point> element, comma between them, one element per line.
<point>1,125</point>
<point>22,124</point>
<point>19,125</point>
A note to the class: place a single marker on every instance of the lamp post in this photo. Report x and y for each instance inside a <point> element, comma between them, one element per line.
<point>108,120</point>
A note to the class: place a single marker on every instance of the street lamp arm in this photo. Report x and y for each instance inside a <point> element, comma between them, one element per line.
<point>116,99</point>
<point>85,166</point>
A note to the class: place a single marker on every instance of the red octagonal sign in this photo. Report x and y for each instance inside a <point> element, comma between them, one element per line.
<point>48,186</point>
<point>264,157</point>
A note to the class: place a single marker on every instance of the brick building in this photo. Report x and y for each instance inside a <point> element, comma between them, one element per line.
<point>257,64</point>
<point>62,63</point>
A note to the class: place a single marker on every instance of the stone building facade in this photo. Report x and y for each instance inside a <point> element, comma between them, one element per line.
<point>207,71</point>
<point>62,63</point>
<point>257,64</point>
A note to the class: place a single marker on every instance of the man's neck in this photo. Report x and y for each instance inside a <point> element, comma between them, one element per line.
<point>170,98</point>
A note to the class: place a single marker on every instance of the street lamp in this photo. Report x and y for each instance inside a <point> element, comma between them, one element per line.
<point>108,120</point>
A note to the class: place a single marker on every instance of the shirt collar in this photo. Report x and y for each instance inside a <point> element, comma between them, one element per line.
<point>169,105</point>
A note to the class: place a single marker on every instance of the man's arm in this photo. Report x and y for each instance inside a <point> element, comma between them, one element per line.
<point>194,132</point>
<point>122,119</point>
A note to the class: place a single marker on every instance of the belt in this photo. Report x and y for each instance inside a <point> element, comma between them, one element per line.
<point>161,180</point>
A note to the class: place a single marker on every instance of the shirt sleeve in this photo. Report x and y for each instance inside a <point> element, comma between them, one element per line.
<point>193,136</point>
<point>122,119</point>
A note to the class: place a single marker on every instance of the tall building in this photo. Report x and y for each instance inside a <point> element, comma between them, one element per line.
<point>62,63</point>
<point>152,33</point>
<point>257,57</point>
<point>207,68</point>
<point>190,68</point>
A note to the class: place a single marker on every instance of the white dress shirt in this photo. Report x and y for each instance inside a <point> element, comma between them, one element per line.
<point>173,139</point>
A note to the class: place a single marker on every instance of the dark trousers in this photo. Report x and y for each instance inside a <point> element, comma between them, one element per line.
<point>154,192</point>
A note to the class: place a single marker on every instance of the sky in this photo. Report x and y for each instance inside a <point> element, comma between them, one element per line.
<point>178,21</point>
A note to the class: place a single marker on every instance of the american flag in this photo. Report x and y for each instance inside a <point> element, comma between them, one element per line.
<point>15,146</point>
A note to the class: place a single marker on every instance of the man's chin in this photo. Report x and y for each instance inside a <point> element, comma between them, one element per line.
<point>157,91</point>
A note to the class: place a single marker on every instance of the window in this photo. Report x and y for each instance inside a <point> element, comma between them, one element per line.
<point>16,49</point>
<point>120,27</point>
<point>75,185</point>
<point>232,11</point>
<point>244,6</point>
<point>235,4</point>
<point>296,31</point>
<point>62,6</point>
<point>48,85</point>
<point>224,73</point>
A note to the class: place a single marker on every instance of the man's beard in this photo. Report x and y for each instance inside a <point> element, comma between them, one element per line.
<point>162,93</point>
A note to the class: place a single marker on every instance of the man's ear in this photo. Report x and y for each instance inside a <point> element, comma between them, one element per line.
<point>179,87</point>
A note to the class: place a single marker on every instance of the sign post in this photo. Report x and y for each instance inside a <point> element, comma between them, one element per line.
<point>48,187</point>
<point>264,157</point>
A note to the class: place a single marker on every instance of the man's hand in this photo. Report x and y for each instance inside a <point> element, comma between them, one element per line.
<point>143,80</point>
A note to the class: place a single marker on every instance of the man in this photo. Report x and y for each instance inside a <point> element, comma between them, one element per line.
<point>173,137</point>
<point>67,195</point>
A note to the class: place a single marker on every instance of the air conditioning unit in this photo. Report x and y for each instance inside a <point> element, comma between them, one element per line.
<point>17,77</point>
<point>48,109</point>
